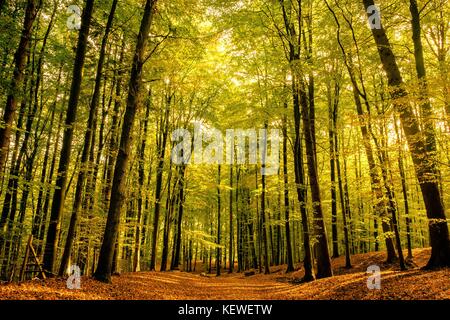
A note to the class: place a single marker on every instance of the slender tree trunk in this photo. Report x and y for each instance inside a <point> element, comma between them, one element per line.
<point>344,208</point>
<point>387,181</point>
<point>263,211</point>
<point>251,231</point>
<point>294,57</point>
<point>38,219</point>
<point>348,223</point>
<point>323,258</point>
<point>161,149</point>
<point>114,135</point>
<point>177,241</point>
<point>425,104</point>
<point>424,165</point>
<point>88,140</point>
<point>287,224</point>
<point>335,164</point>
<point>331,134</point>
<point>141,173</point>
<point>379,201</point>
<point>171,200</point>
<point>218,251</point>
<point>20,58</point>
<point>45,209</point>
<point>259,227</point>
<point>307,103</point>
<point>103,272</point>
<point>231,249</point>
<point>51,246</point>
<point>401,169</point>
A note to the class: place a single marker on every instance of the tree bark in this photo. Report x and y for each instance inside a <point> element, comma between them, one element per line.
<point>323,259</point>
<point>424,165</point>
<point>177,239</point>
<point>290,260</point>
<point>424,101</point>
<point>294,44</point>
<point>161,150</point>
<point>331,133</point>
<point>141,173</point>
<point>88,140</point>
<point>54,227</point>
<point>231,249</point>
<point>375,179</point>
<point>218,251</point>
<point>20,57</point>
<point>104,267</point>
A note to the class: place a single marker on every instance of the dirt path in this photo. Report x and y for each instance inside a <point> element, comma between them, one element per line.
<point>347,284</point>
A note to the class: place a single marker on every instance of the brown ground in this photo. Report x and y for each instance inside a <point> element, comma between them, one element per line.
<point>346,284</point>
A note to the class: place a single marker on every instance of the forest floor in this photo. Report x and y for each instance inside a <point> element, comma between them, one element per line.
<point>346,284</point>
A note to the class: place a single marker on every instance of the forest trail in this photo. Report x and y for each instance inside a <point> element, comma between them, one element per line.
<point>347,284</point>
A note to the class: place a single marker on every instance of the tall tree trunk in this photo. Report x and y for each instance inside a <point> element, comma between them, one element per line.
<point>323,258</point>
<point>424,101</point>
<point>375,179</point>
<point>344,207</point>
<point>218,251</point>
<point>171,200</point>
<point>114,135</point>
<point>88,140</point>
<point>251,231</point>
<point>424,165</point>
<point>20,58</point>
<point>258,223</point>
<point>51,246</point>
<point>38,219</point>
<point>401,169</point>
<point>45,209</point>
<point>294,44</point>
<point>141,173</point>
<point>177,239</point>
<point>336,166</point>
<point>287,224</point>
<point>104,267</point>
<point>387,181</point>
<point>161,150</point>
<point>331,133</point>
<point>263,209</point>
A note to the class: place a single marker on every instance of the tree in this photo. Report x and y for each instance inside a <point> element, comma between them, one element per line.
<point>104,267</point>
<point>218,251</point>
<point>424,166</point>
<point>231,235</point>
<point>360,97</point>
<point>141,156</point>
<point>294,45</point>
<point>87,146</point>
<point>290,260</point>
<point>161,149</point>
<point>54,227</point>
<point>20,59</point>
